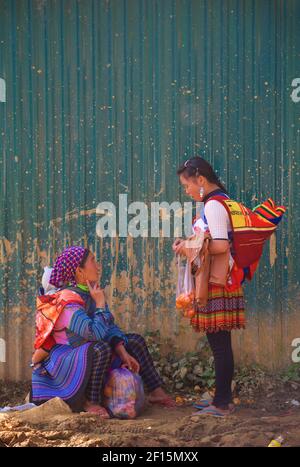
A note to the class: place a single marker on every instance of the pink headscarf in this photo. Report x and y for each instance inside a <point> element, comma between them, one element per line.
<point>65,266</point>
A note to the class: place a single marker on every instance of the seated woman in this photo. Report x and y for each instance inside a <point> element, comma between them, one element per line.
<point>85,339</point>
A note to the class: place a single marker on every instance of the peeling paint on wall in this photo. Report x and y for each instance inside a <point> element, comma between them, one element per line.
<point>273,254</point>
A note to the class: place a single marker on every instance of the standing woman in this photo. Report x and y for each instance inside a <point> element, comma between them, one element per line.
<point>224,310</point>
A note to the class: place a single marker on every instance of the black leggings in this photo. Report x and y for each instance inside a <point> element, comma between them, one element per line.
<point>220,344</point>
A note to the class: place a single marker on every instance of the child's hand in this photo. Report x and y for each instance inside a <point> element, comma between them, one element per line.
<point>38,356</point>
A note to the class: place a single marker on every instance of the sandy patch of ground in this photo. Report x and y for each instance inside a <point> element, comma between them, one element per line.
<point>252,424</point>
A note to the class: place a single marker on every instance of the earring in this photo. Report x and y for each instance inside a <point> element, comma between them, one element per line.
<point>201,192</point>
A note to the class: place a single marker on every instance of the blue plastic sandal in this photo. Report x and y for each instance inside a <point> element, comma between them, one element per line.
<point>202,404</point>
<point>210,411</point>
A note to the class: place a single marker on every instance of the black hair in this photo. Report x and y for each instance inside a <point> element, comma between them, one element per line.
<point>198,166</point>
<point>84,258</point>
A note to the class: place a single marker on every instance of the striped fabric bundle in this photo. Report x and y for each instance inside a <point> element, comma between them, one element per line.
<point>269,211</point>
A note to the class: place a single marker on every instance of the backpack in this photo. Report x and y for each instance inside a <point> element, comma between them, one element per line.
<point>250,230</point>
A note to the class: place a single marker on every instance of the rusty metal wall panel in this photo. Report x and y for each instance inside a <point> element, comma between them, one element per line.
<point>107,97</point>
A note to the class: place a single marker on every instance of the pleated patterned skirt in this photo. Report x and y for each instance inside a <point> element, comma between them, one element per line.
<point>225,310</point>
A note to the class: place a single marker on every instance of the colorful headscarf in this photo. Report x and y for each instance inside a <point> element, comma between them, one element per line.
<point>65,266</point>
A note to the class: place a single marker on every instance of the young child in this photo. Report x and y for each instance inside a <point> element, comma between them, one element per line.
<point>47,287</point>
<point>40,354</point>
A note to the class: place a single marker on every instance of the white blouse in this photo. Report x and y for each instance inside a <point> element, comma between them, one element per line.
<point>218,220</point>
<point>218,224</point>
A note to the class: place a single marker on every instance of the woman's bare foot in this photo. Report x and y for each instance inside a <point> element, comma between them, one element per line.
<point>159,396</point>
<point>96,409</point>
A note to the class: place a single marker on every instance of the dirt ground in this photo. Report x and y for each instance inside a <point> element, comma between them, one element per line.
<point>254,423</point>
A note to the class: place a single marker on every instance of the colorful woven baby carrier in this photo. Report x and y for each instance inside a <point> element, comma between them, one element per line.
<point>49,308</point>
<point>250,230</point>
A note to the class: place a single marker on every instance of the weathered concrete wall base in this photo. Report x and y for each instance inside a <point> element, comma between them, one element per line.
<point>265,343</point>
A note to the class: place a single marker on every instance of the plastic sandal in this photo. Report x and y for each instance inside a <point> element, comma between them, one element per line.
<point>210,411</point>
<point>202,404</point>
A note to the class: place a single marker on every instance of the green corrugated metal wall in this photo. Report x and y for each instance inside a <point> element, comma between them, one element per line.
<point>107,97</point>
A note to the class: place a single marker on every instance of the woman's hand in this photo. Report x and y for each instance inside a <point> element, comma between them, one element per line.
<point>97,294</point>
<point>179,247</point>
<point>176,243</point>
<point>128,361</point>
<point>131,363</point>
